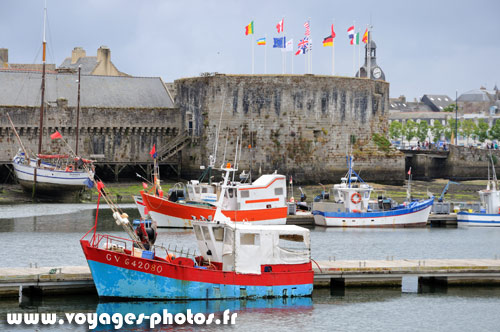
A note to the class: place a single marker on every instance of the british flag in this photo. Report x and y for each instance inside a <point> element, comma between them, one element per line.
<point>303,46</point>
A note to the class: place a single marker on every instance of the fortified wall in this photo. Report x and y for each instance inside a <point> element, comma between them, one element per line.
<point>300,125</point>
<point>112,136</point>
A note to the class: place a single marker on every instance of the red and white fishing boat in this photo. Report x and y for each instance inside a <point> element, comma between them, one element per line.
<point>261,202</point>
<point>237,260</point>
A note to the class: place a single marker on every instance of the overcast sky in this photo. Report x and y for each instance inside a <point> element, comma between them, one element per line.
<point>424,47</point>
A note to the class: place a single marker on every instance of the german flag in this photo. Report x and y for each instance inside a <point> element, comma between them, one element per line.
<point>328,41</point>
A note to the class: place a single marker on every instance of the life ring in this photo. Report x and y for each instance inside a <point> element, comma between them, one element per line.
<point>357,200</point>
<point>69,168</point>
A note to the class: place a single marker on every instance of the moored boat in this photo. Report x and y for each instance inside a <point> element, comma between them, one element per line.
<point>489,215</point>
<point>352,207</point>
<point>237,260</point>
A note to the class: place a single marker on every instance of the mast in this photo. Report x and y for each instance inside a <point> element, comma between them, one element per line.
<point>78,110</point>
<point>40,126</point>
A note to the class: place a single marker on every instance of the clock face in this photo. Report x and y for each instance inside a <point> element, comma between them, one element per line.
<point>377,72</point>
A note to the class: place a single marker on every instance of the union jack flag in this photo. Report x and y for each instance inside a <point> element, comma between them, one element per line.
<point>308,29</point>
<point>303,46</point>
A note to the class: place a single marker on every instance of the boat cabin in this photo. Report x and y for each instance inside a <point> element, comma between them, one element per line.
<point>252,249</point>
<point>490,200</point>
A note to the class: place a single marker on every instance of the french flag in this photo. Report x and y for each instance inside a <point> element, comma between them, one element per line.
<point>350,31</point>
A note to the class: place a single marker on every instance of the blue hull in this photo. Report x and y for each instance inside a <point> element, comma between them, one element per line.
<point>116,282</point>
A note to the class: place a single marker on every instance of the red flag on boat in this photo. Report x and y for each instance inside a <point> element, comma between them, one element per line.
<point>409,171</point>
<point>56,135</point>
<point>145,185</point>
<point>153,151</point>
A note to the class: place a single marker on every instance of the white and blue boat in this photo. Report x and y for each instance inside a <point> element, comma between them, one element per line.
<point>352,207</point>
<point>489,215</point>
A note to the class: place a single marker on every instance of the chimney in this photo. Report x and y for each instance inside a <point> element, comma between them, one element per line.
<point>103,54</point>
<point>77,53</point>
<point>4,57</point>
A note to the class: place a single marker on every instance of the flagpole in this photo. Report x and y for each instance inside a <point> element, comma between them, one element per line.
<point>354,51</point>
<point>293,55</point>
<point>333,56</point>
<point>368,56</point>
<point>253,46</point>
<point>359,55</point>
<point>265,55</point>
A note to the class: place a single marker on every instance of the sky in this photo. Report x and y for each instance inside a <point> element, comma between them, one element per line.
<point>423,47</point>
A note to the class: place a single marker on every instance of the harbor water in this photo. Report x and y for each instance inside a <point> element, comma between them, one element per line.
<point>49,234</point>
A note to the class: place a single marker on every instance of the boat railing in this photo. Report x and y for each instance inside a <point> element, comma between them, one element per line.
<point>119,244</point>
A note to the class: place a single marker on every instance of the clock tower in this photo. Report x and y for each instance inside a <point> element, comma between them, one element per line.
<point>370,65</point>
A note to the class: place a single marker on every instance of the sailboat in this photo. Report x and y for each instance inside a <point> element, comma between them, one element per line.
<point>45,173</point>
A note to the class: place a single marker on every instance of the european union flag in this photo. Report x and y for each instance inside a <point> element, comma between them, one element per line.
<point>279,42</point>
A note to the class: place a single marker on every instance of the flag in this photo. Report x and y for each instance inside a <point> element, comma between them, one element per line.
<point>328,41</point>
<point>289,46</point>
<point>261,41</point>
<point>355,40</point>
<point>409,171</point>
<point>279,42</point>
<point>333,32</point>
<point>308,28</point>
<point>291,179</point>
<point>365,37</point>
<point>56,135</point>
<point>350,32</point>
<point>100,185</point>
<point>145,185</point>
<point>249,29</point>
<point>303,46</point>
<point>280,25</point>
<point>153,152</point>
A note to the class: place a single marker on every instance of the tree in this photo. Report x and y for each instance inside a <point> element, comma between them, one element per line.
<point>422,131</point>
<point>395,130</point>
<point>468,128</point>
<point>450,128</point>
<point>410,130</point>
<point>495,131</point>
<point>449,108</point>
<point>437,131</point>
<point>482,130</point>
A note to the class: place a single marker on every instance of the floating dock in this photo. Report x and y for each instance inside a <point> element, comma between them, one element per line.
<point>19,282</point>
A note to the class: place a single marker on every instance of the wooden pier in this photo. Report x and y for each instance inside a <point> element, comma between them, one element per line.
<point>19,282</point>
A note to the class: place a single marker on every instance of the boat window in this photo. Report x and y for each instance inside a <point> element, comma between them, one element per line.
<point>292,242</point>
<point>197,232</point>
<point>244,193</point>
<point>367,194</point>
<point>278,191</point>
<point>206,233</point>
<point>190,190</point>
<point>250,239</point>
<point>197,189</point>
<point>204,190</point>
<point>218,233</point>
<point>230,191</point>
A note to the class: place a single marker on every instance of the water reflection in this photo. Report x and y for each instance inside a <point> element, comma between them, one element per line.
<point>281,308</point>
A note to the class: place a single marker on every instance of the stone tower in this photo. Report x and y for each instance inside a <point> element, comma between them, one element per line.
<point>371,60</point>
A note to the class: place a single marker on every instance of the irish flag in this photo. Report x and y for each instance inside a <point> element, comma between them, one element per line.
<point>355,39</point>
<point>249,29</point>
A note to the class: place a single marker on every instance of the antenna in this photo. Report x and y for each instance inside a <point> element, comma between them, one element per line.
<point>224,158</point>
<point>218,128</point>
<point>236,155</point>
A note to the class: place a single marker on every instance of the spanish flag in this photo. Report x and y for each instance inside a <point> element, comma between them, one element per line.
<point>365,37</point>
<point>249,29</point>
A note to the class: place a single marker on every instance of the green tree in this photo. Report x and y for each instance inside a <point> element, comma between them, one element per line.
<point>422,131</point>
<point>495,131</point>
<point>468,128</point>
<point>410,130</point>
<point>395,130</point>
<point>449,108</point>
<point>450,128</point>
<point>482,130</point>
<point>437,130</point>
